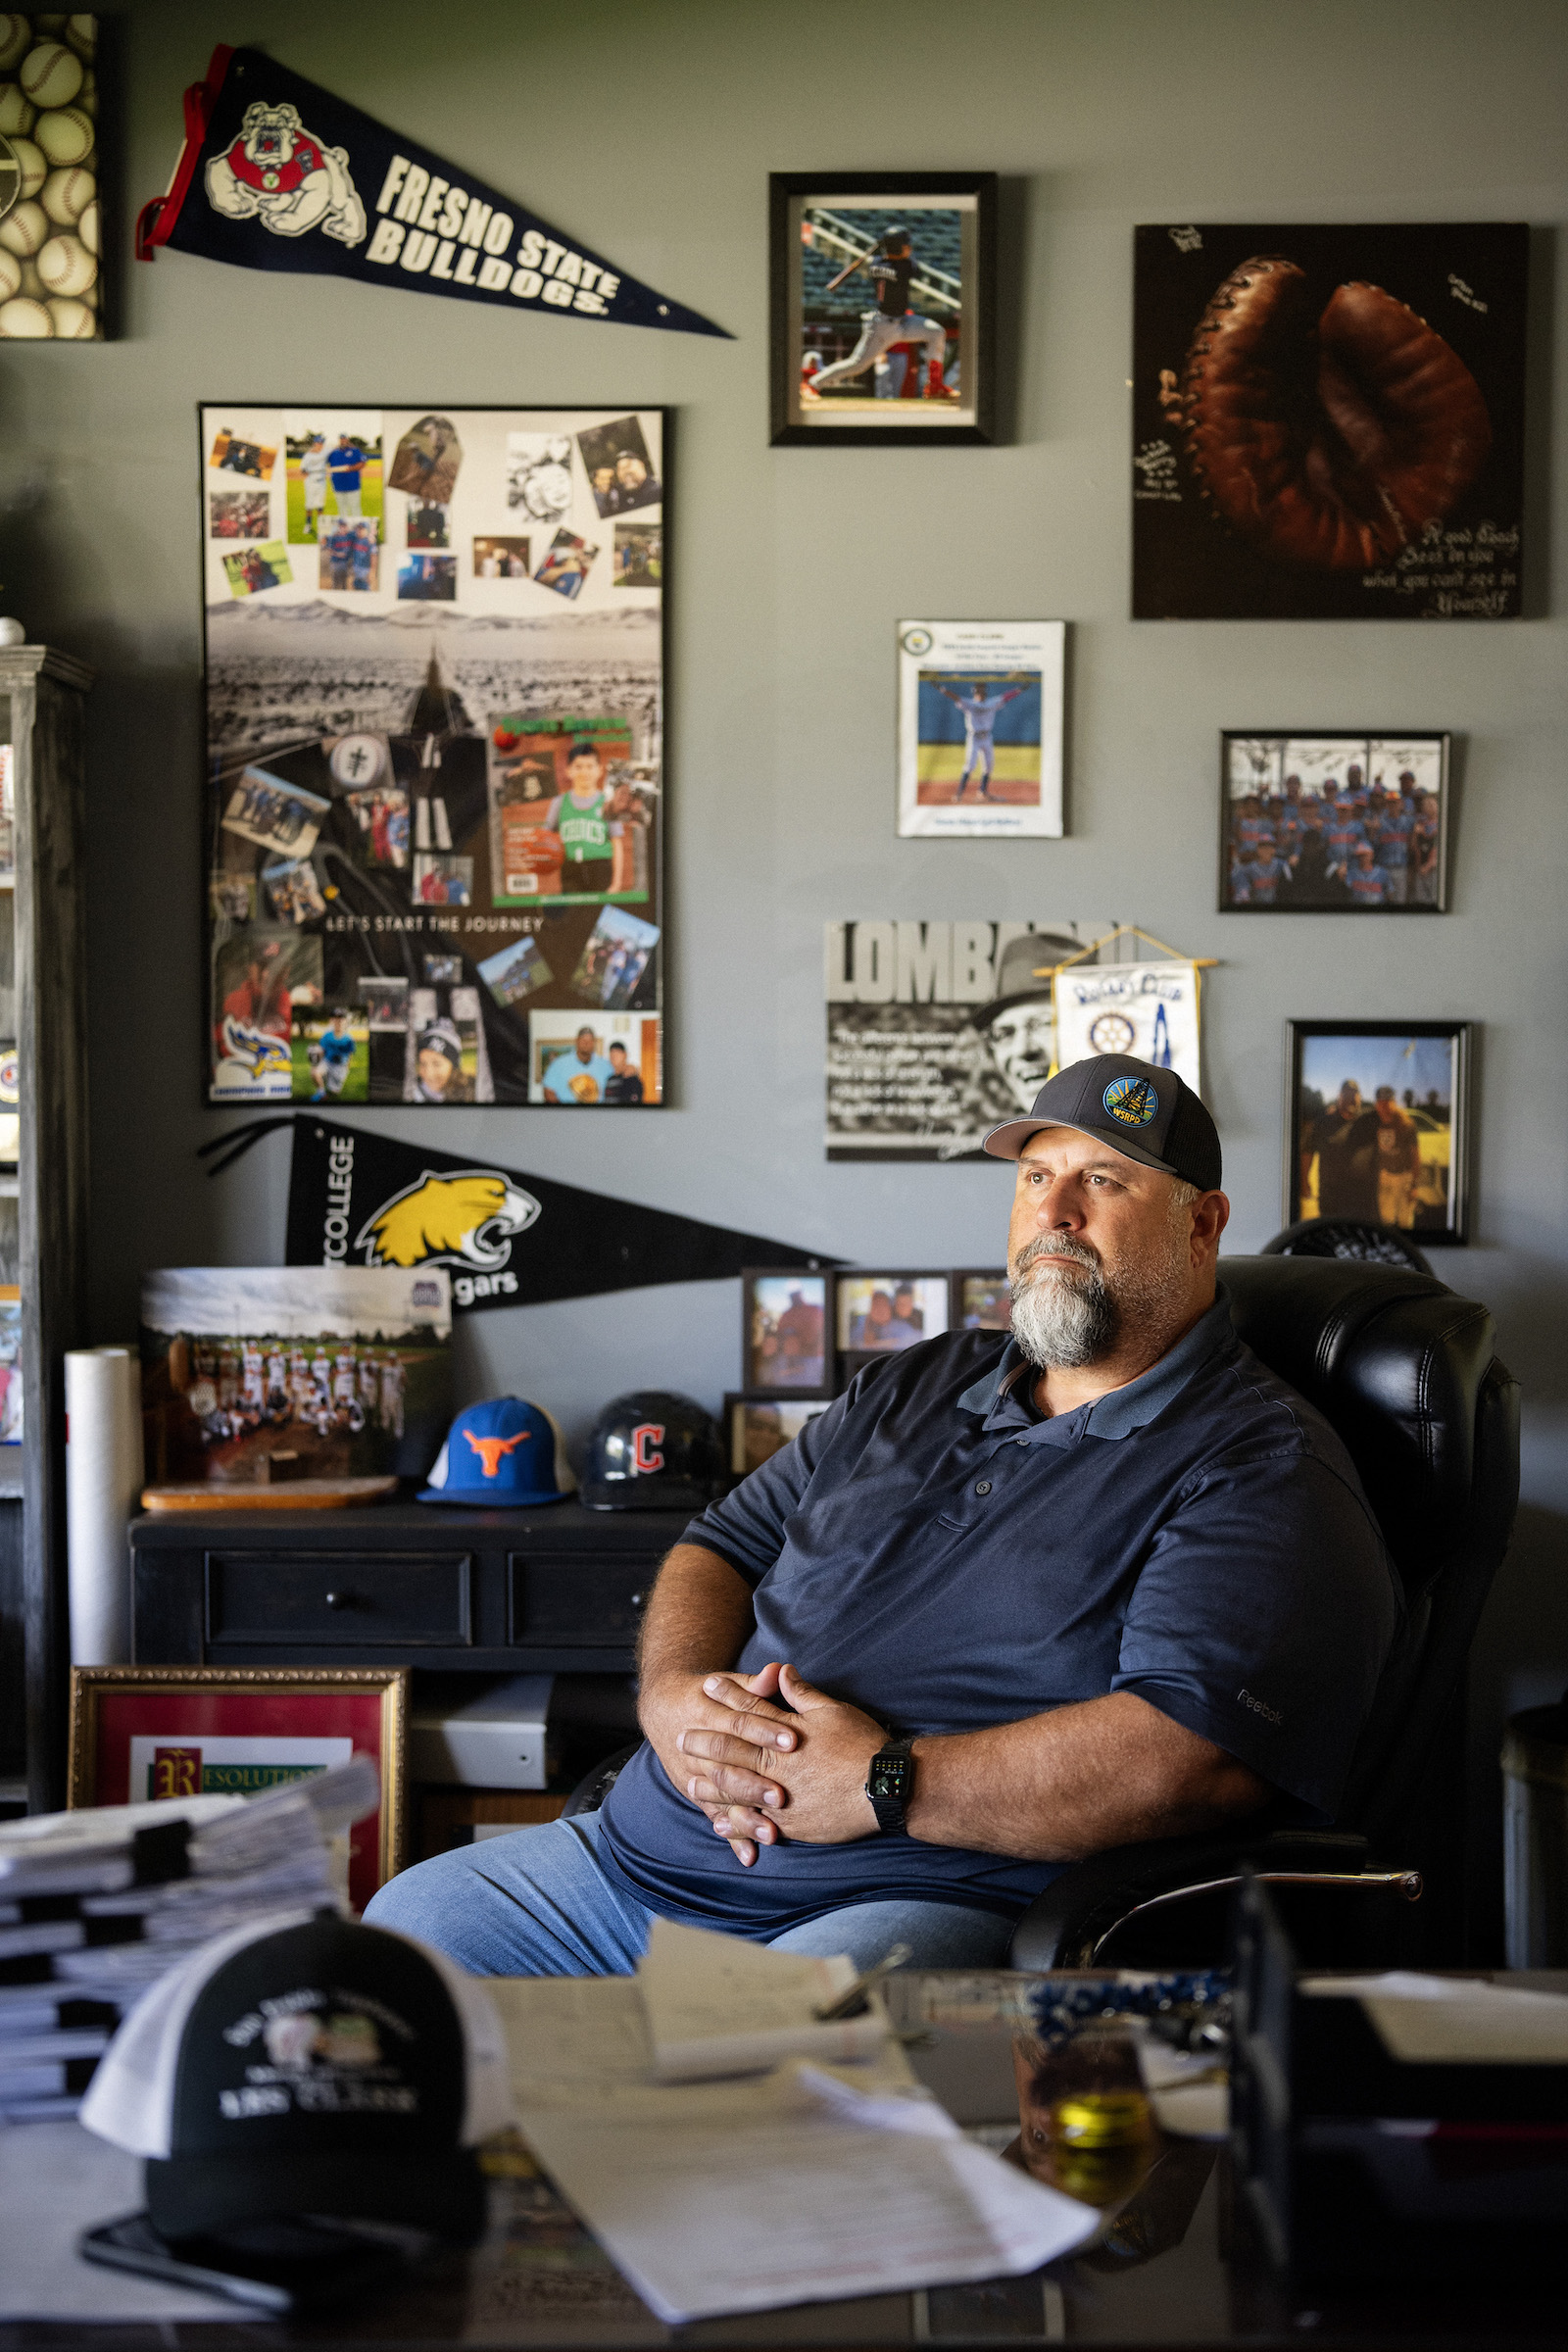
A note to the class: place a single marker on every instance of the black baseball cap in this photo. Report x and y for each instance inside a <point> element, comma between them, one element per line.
<point>306,2063</point>
<point>1146,1114</point>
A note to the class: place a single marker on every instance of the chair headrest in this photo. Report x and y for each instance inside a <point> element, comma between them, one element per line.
<point>1395,1362</point>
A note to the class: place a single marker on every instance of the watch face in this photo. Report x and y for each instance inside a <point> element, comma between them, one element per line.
<point>890,1777</point>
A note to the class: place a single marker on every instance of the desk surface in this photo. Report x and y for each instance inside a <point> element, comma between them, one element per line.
<point>1175,2267</point>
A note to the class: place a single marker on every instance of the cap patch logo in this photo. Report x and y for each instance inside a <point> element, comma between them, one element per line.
<point>1131,1102</point>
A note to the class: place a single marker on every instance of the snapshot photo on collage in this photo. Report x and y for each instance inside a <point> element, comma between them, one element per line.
<point>434,732</point>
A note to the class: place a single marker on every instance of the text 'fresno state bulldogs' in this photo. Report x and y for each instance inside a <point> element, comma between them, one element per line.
<point>438,229</point>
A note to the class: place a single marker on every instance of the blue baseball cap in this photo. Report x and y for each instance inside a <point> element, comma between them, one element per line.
<point>506,1453</point>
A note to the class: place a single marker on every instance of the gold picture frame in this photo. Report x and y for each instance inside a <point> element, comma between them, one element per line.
<point>117,1710</point>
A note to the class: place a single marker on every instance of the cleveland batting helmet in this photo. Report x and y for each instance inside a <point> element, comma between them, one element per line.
<point>653,1451</point>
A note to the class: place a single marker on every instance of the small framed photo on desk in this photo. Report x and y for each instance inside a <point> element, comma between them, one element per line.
<point>784,1333</point>
<point>144,1732</point>
<point>755,1428</point>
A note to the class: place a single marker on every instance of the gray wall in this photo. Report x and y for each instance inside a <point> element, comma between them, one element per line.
<point>649,130</point>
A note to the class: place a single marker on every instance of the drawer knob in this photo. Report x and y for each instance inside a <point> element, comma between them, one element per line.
<point>340,1601</point>
<point>637,1600</point>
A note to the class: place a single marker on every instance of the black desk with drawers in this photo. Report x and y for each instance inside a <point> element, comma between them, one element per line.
<point>551,1592</point>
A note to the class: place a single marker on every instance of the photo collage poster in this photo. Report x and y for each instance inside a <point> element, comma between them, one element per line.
<point>435,671</point>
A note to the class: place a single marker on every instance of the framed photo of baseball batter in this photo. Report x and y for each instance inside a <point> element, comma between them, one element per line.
<point>1328,421</point>
<point>1333,823</point>
<point>883,306</point>
<point>1378,1124</point>
<point>434,774</point>
<point>980,707</point>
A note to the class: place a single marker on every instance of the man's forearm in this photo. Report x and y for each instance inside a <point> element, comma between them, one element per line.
<point>1058,1786</point>
<point>699,1617</point>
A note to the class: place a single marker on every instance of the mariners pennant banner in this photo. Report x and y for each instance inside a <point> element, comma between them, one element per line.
<point>276,173</point>
<point>508,1239</point>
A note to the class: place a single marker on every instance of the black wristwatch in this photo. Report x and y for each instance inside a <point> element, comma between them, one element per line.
<point>890,1785</point>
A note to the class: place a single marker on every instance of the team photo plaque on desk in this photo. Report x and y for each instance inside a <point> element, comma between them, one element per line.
<point>434,670</point>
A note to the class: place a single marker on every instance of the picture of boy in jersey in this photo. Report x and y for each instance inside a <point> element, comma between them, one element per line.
<point>580,819</point>
<point>979,716</point>
<point>345,465</point>
<point>331,1055</point>
<point>313,474</point>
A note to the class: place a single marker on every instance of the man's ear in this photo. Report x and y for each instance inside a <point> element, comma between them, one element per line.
<point>1211,1214</point>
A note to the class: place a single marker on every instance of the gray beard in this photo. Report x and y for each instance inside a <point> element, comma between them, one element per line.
<point>1063,1320</point>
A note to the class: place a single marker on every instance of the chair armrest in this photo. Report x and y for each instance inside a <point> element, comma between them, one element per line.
<point>594,1786</point>
<point>1065,1924</point>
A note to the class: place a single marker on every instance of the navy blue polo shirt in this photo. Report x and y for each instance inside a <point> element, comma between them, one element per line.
<point>934,1550</point>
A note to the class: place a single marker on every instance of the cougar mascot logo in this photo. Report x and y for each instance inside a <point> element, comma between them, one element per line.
<point>277,174</point>
<point>462,1220</point>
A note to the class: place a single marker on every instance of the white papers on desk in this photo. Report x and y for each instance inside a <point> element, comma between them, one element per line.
<point>807,2185</point>
<point>1457,2021</point>
<point>721,2005</point>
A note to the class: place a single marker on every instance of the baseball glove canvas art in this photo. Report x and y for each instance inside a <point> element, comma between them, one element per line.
<point>1328,422</point>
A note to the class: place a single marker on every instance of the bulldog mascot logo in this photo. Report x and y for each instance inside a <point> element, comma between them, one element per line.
<point>467,1219</point>
<point>276,172</point>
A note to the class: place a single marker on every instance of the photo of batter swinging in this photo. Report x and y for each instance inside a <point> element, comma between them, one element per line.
<point>882,307</point>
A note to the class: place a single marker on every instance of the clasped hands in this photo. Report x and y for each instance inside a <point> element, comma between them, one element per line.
<point>762,1771</point>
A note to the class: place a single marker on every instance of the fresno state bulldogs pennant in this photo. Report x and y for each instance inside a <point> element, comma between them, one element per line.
<point>276,173</point>
<point>509,1238</point>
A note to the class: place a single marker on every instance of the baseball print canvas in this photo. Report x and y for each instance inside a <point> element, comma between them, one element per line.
<point>1328,421</point>
<point>980,727</point>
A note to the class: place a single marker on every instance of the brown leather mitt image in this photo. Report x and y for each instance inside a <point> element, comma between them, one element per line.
<point>1326,437</point>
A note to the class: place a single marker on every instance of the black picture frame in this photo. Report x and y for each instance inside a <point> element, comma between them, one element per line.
<point>740,1404</point>
<point>854,1279</point>
<point>1409,876</point>
<point>798,424</point>
<point>992,1277</point>
<point>765,1349</point>
<point>1366,1181</point>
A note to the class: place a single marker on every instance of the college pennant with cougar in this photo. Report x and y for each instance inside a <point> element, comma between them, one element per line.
<point>509,1238</point>
<point>276,173</point>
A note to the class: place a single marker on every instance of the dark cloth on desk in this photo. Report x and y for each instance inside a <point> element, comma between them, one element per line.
<point>936,1551</point>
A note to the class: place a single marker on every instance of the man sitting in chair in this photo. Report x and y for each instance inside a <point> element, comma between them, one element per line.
<point>1004,1605</point>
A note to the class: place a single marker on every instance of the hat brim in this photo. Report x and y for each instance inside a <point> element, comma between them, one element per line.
<point>486,1499</point>
<point>440,2189</point>
<point>1008,1140</point>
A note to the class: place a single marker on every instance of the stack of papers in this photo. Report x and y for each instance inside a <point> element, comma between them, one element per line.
<point>1457,2021</point>
<point>719,2005</point>
<point>807,2183</point>
<point>95,1906</point>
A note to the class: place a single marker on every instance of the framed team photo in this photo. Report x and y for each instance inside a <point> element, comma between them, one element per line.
<point>1322,822</point>
<point>784,1333</point>
<point>755,1428</point>
<point>883,306</point>
<point>143,1731</point>
<point>1376,1125</point>
<point>980,710</point>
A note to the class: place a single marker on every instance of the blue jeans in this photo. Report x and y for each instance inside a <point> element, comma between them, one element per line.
<point>540,1903</point>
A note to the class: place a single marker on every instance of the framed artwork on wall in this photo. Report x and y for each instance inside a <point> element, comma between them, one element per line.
<point>51,180</point>
<point>1328,421</point>
<point>883,306</point>
<point>784,1334</point>
<point>980,727</point>
<point>1322,822</point>
<point>755,1428</point>
<point>142,1732</point>
<point>434,683</point>
<point>1376,1125</point>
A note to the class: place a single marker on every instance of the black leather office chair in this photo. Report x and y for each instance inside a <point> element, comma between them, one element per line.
<point>1349,1236</point>
<point>1406,1372</point>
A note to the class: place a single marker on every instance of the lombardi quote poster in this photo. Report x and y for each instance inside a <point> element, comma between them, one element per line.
<point>434,726</point>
